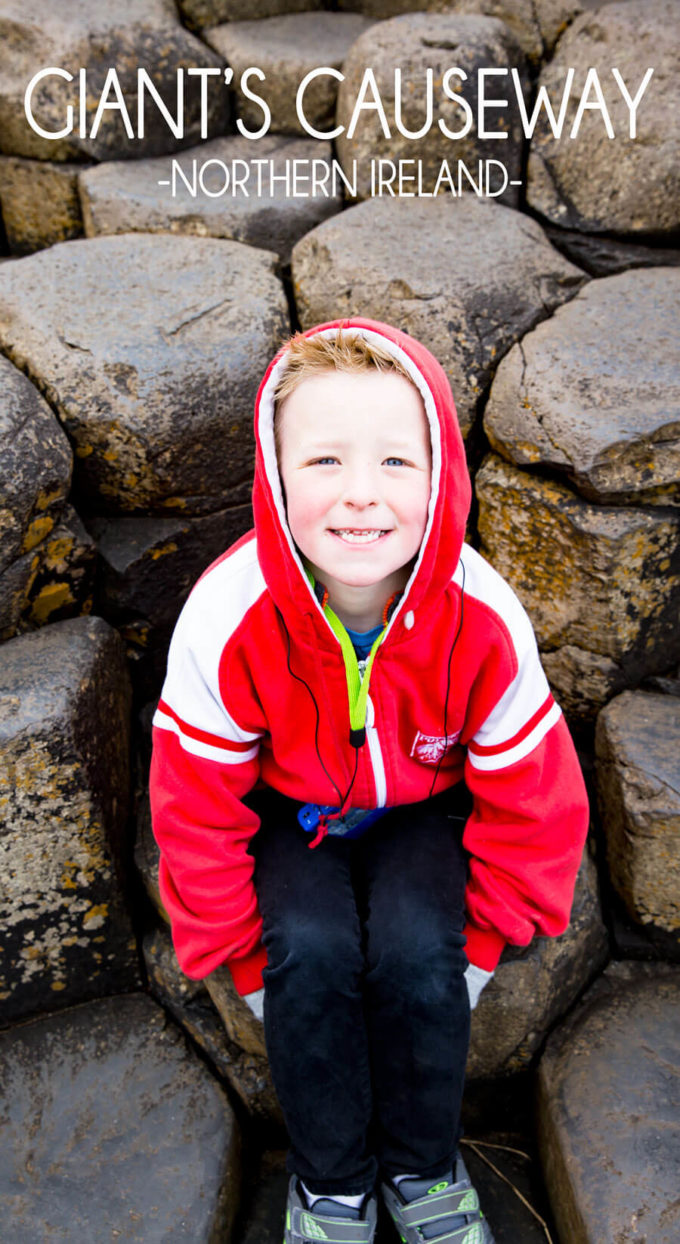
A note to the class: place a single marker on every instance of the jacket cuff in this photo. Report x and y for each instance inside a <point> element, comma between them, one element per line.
<point>484,946</point>
<point>247,973</point>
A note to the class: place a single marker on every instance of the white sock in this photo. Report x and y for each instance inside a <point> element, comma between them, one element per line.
<point>398,1179</point>
<point>312,1197</point>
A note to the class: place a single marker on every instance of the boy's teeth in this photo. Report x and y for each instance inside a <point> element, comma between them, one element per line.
<point>361,533</point>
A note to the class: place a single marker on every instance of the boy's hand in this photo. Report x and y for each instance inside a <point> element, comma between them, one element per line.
<point>475,979</point>
<point>256,1002</point>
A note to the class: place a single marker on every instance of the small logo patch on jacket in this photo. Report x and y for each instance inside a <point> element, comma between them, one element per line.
<point>429,748</point>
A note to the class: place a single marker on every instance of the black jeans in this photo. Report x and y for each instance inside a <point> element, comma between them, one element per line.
<point>366,1011</point>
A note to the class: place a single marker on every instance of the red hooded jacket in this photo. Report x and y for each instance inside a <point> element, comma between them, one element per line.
<point>257,689</point>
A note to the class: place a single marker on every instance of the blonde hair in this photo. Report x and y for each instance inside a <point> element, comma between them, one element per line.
<point>343,352</point>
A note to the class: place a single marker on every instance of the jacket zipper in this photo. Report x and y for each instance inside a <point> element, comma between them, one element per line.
<point>361,711</point>
<point>376,755</point>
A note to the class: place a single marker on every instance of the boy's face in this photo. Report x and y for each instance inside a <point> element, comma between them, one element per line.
<point>355,463</point>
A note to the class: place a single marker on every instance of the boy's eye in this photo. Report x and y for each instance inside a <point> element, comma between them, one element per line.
<point>324,461</point>
<point>395,462</point>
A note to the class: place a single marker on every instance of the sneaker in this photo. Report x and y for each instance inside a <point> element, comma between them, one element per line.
<point>446,1210</point>
<point>329,1220</point>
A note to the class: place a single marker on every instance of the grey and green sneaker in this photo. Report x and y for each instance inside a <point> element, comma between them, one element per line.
<point>336,1224</point>
<point>445,1211</point>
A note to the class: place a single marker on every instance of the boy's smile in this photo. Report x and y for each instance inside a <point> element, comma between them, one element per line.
<point>355,466</point>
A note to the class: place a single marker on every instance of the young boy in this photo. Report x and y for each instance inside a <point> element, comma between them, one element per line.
<point>332,680</point>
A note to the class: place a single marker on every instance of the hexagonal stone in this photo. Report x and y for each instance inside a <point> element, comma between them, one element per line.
<point>535,985</point>
<point>64,783</point>
<point>593,181</point>
<point>600,255</point>
<point>602,580</point>
<point>218,193</point>
<point>417,43</point>
<point>35,476</point>
<point>151,349</point>
<point>200,13</point>
<point>638,782</point>
<point>40,203</point>
<point>111,1127</point>
<point>98,36</point>
<point>594,391</point>
<point>500,278</point>
<point>149,565</point>
<point>536,24</point>
<point>609,1107</point>
<point>286,49</point>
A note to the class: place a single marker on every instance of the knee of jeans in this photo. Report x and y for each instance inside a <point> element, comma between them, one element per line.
<point>430,947</point>
<point>313,947</point>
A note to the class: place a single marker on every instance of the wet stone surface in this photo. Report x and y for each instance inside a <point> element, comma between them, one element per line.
<point>111,1128</point>
<point>609,1110</point>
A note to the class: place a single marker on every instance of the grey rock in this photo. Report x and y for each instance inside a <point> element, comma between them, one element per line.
<point>415,43</point>
<point>594,392</point>
<point>536,24</point>
<point>149,565</point>
<point>500,277</point>
<point>638,783</point>
<point>35,476</point>
<point>604,256</point>
<point>112,1128</point>
<point>64,722</point>
<point>601,579</point>
<point>593,182</point>
<point>63,586</point>
<point>190,1005</point>
<point>609,1108</point>
<point>97,36</point>
<point>151,364</point>
<point>586,680</point>
<point>150,196</point>
<point>200,13</point>
<point>35,466</point>
<point>286,49</point>
<point>534,987</point>
<point>40,203</point>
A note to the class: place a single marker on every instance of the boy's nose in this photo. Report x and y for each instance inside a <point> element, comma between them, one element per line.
<point>360,489</point>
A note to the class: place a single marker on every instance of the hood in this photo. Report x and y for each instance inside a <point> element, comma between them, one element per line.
<point>449,498</point>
